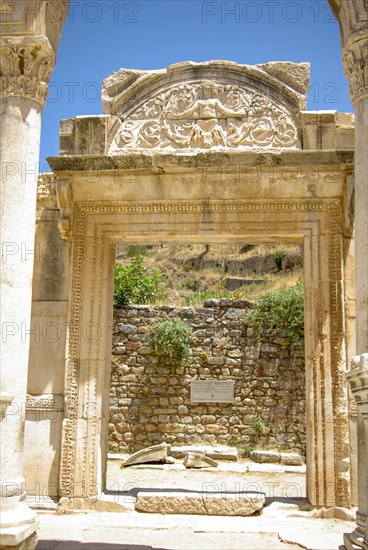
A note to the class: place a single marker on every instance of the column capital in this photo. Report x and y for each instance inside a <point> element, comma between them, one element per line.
<point>355,58</point>
<point>352,16</point>
<point>26,64</point>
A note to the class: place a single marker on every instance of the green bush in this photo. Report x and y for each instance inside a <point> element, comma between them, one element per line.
<point>170,342</point>
<point>278,257</point>
<point>248,448</point>
<point>135,285</point>
<point>282,310</point>
<point>259,425</point>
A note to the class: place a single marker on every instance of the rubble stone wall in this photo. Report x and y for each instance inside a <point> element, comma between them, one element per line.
<point>151,404</point>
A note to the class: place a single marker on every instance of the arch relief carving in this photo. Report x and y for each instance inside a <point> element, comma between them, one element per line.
<point>203,115</point>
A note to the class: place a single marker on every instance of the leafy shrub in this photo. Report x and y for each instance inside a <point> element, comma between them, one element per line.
<point>278,257</point>
<point>259,425</point>
<point>169,340</point>
<point>135,285</point>
<point>248,448</point>
<point>282,309</point>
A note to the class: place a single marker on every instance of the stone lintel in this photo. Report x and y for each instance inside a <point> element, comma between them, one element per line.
<point>157,163</point>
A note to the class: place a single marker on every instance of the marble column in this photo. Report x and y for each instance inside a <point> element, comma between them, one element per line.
<point>26,61</point>
<point>358,380</point>
<point>355,56</point>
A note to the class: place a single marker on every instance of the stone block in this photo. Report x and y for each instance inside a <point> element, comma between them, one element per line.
<point>221,504</point>
<point>127,328</point>
<point>212,302</point>
<point>265,456</point>
<point>291,459</point>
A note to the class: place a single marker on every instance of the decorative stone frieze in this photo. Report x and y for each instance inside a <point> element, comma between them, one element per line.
<point>207,105</point>
<point>26,64</point>
<point>207,115</point>
<point>47,402</point>
<point>355,59</point>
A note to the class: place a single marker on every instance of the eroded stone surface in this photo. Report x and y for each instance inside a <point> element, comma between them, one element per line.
<point>245,504</point>
<point>70,505</point>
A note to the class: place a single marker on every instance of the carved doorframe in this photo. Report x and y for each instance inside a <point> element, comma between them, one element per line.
<point>315,223</point>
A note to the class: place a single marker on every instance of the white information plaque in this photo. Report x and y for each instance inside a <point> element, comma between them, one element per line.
<point>212,391</point>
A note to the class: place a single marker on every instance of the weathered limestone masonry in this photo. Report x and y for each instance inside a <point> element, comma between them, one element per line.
<point>150,404</point>
<point>29,41</point>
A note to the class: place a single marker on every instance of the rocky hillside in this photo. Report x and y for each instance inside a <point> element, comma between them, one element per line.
<point>195,272</point>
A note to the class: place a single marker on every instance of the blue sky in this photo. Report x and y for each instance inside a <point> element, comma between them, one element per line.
<point>100,37</point>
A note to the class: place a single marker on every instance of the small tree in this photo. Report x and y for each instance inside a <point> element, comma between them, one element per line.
<point>170,342</point>
<point>278,257</point>
<point>135,285</point>
<point>281,309</point>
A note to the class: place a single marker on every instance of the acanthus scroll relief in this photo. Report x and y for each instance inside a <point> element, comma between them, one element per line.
<point>205,115</point>
<point>25,68</point>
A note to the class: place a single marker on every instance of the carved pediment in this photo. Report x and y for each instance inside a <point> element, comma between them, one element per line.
<point>206,105</point>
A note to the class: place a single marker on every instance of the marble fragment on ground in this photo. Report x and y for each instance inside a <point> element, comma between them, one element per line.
<point>155,453</point>
<point>198,503</point>
<point>219,452</point>
<point>199,460</point>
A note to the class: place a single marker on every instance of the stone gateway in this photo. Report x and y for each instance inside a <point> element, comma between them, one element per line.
<point>157,157</point>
